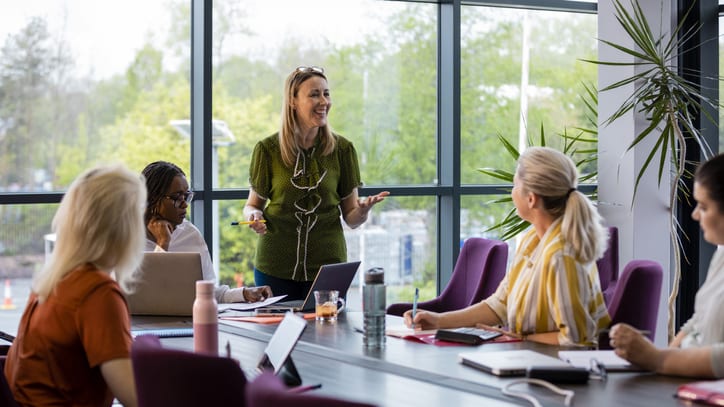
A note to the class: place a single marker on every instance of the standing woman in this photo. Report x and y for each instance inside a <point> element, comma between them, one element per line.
<point>552,293</point>
<point>74,339</point>
<point>302,178</point>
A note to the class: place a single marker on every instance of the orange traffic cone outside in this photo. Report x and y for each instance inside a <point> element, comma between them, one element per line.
<point>8,301</point>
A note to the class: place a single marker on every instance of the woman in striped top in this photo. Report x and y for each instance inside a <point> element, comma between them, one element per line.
<point>551,294</point>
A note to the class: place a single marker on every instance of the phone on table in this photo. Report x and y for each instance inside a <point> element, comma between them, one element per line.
<point>470,336</point>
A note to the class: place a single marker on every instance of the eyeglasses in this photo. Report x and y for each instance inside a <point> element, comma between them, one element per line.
<point>314,69</point>
<point>181,197</point>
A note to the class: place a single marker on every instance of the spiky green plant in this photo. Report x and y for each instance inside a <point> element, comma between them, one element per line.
<point>581,147</point>
<point>669,102</point>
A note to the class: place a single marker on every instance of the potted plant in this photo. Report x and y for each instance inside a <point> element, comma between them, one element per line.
<point>669,102</point>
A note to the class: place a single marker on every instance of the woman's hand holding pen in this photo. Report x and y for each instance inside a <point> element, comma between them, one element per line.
<point>423,319</point>
<point>256,220</point>
<point>631,344</point>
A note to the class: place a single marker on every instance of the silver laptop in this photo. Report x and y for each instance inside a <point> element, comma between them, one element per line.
<point>509,362</point>
<point>166,284</point>
<point>336,276</point>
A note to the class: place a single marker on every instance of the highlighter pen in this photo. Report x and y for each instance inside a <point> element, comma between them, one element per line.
<point>414,305</point>
<point>247,222</point>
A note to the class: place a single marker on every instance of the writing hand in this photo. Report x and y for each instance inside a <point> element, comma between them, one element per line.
<point>423,319</point>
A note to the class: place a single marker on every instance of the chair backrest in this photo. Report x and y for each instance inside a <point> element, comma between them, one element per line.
<point>478,272</point>
<point>608,265</point>
<point>637,296</point>
<point>6,396</point>
<point>169,377</point>
<point>268,390</point>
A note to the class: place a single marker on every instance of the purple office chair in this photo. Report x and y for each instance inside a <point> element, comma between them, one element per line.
<point>636,299</point>
<point>608,266</point>
<point>268,390</point>
<point>170,377</point>
<point>478,272</point>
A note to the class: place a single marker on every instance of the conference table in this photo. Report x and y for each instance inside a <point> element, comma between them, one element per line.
<point>409,373</point>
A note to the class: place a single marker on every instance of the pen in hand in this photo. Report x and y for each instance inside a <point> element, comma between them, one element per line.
<point>247,222</point>
<point>414,305</point>
<point>228,349</point>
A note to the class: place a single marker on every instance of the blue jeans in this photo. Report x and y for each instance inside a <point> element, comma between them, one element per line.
<point>295,290</point>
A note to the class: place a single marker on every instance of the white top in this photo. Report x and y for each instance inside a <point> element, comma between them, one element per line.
<point>187,238</point>
<point>706,325</point>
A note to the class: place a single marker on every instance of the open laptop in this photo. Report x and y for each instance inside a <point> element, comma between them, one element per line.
<point>509,362</point>
<point>166,284</point>
<point>336,276</point>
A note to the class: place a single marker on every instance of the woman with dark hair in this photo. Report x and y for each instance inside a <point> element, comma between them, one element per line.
<point>302,179</point>
<point>168,230</point>
<point>698,348</point>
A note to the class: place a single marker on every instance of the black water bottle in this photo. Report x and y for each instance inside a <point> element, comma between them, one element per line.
<point>373,306</point>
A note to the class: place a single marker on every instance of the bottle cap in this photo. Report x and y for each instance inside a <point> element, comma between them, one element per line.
<point>204,287</point>
<point>375,275</point>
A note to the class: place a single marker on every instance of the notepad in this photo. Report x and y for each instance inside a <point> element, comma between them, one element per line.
<point>609,359</point>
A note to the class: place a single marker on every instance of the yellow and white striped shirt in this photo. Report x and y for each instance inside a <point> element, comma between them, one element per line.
<point>547,289</point>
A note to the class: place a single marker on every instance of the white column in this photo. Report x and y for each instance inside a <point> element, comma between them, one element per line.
<point>643,227</point>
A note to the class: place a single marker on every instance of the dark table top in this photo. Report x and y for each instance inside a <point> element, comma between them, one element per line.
<point>410,373</point>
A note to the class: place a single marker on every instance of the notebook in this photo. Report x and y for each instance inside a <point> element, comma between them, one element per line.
<point>337,276</point>
<point>166,284</point>
<point>510,362</point>
<point>588,358</point>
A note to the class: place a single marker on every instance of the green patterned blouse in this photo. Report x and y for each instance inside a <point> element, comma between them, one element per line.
<point>304,229</point>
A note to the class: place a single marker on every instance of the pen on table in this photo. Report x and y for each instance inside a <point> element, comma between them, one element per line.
<point>641,331</point>
<point>247,222</point>
<point>302,389</point>
<point>414,305</point>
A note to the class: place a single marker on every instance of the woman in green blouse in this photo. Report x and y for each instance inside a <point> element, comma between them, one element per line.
<point>302,178</point>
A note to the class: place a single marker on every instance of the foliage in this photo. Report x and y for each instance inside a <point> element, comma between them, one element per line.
<point>581,147</point>
<point>384,89</point>
<point>663,96</point>
<point>669,102</point>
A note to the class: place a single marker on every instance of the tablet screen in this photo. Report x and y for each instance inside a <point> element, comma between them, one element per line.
<point>283,341</point>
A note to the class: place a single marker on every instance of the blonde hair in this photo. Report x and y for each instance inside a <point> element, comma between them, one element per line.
<point>552,176</point>
<point>288,140</point>
<point>99,222</point>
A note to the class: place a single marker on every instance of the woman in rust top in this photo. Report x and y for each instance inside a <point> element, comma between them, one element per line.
<point>74,341</point>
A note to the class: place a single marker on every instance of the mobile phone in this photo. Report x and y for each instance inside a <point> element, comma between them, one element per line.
<point>558,374</point>
<point>471,336</point>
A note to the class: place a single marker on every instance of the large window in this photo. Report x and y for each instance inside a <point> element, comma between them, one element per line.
<point>88,82</point>
<point>82,82</point>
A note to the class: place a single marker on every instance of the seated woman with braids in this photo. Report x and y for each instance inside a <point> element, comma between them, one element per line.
<point>168,230</point>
